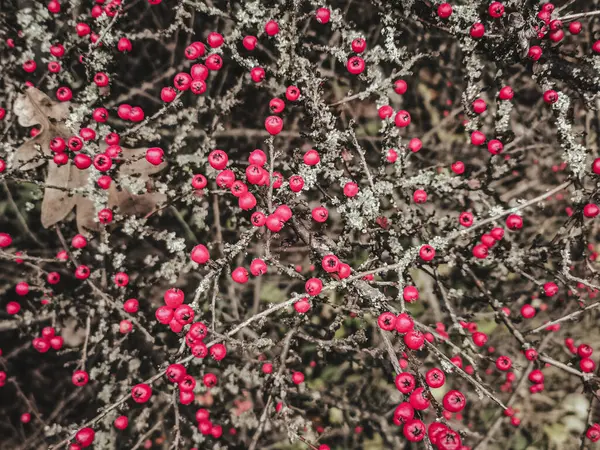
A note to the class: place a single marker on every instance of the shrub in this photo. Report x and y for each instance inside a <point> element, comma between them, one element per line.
<point>284,223</point>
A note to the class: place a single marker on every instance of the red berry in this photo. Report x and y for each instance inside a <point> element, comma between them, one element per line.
<point>240,275</point>
<point>415,145</point>
<point>414,430</point>
<point>355,65</point>
<point>323,15</point>
<point>479,106</point>
<point>503,363</point>
<point>527,311</point>
<point>85,436</point>
<point>218,352</point>
<point>444,10</point>
<point>218,159</point>
<point>311,158</point>
<point>575,27</point>
<point>458,167</point>
<point>141,393</point>
<point>587,365</point>
<point>298,378</point>
<point>427,252</point>
<point>400,87</point>
<point>550,96</point>
<point>271,28</point>
<point>477,30</point>
<point>320,214</point>
<point>302,306</point>
<point>273,125</point>
<point>257,74</point>
<point>121,422</point>
<point>514,222</point>
<point>403,413</point>
<point>292,93</point>
<point>591,210</point>
<point>359,45</point>
<point>313,286</point>
<point>414,340</point>
<point>249,42</point>
<point>80,378</point>
<point>214,62</point>
<point>385,112</point>
<point>350,189</point>
<point>402,119</point>
<point>405,382</point>
<point>496,10</point>
<point>454,401</point>
<point>435,378</point>
<point>258,267</point>
<point>550,289</point>
<point>534,53</point>
<point>410,294</point>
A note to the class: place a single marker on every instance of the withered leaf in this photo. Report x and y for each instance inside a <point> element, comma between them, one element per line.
<point>59,201</point>
<point>60,198</point>
<point>33,108</point>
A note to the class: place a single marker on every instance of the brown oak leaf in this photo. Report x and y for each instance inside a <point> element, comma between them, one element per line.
<point>62,182</point>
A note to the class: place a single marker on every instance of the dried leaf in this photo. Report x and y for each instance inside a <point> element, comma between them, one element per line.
<point>60,200</point>
<point>134,205</point>
<point>85,215</point>
<point>34,107</point>
<point>135,163</point>
<point>30,155</point>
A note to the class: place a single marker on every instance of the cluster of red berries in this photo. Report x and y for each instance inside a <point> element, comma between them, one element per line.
<point>206,426</point>
<point>48,340</point>
<point>478,138</point>
<point>404,325</point>
<point>553,28</point>
<point>488,240</point>
<point>177,373</point>
<point>130,113</point>
<point>179,315</point>
<point>584,352</point>
<point>355,64</point>
<point>174,313</point>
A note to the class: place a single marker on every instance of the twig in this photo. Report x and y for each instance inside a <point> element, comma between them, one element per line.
<point>20,217</point>
<point>465,375</point>
<point>391,352</point>
<point>185,360</point>
<point>213,303</point>
<point>175,443</point>
<point>85,343</point>
<point>101,293</point>
<point>263,418</point>
<point>571,316</point>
